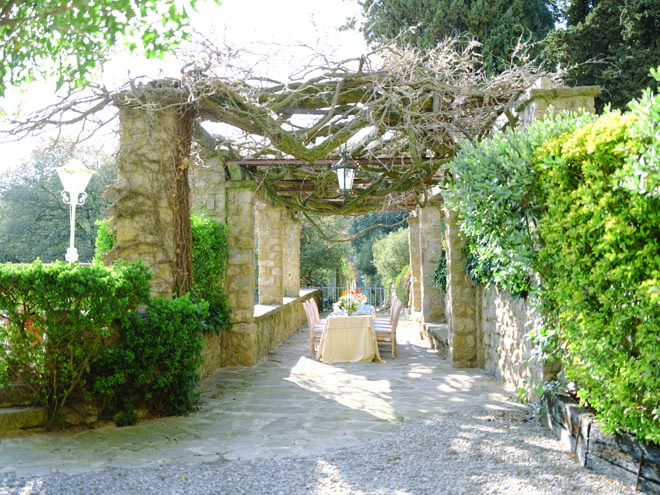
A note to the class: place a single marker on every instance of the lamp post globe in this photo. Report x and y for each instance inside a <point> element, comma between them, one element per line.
<point>74,177</point>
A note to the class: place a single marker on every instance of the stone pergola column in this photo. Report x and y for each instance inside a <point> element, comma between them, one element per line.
<point>151,212</point>
<point>270,227</point>
<point>461,299</point>
<point>240,266</point>
<point>431,230</point>
<point>207,185</point>
<point>415,264</point>
<point>291,255</point>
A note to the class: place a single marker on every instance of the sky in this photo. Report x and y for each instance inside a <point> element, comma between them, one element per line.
<point>272,30</point>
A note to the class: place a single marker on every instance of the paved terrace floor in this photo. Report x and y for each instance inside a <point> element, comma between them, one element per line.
<point>288,404</point>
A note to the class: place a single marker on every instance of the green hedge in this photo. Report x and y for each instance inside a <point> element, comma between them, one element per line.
<point>93,333</point>
<point>59,319</point>
<point>155,365</point>
<point>601,275</point>
<point>494,193</point>
<point>210,253</point>
<point>574,202</point>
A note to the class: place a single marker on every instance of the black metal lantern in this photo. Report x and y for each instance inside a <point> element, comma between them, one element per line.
<point>345,172</point>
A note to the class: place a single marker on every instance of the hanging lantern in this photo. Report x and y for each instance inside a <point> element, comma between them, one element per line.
<point>345,172</point>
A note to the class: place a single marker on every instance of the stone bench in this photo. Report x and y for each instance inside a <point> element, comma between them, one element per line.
<point>438,336</point>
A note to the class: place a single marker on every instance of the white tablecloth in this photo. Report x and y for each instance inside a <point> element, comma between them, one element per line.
<point>348,339</point>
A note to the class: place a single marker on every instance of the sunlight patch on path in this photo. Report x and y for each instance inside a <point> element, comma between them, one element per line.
<point>348,389</point>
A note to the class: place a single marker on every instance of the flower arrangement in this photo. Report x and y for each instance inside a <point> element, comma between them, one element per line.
<point>351,299</point>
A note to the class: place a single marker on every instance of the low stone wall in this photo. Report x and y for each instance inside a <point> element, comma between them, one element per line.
<point>246,343</point>
<point>507,351</point>
<point>620,457</point>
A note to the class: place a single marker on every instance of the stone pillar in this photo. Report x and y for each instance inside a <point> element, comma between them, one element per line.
<point>145,215</point>
<point>240,266</point>
<point>270,236</point>
<point>431,230</point>
<point>207,183</point>
<point>291,255</point>
<point>461,299</point>
<point>415,264</point>
<point>540,99</point>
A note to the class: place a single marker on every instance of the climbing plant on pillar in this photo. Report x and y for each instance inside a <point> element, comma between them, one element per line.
<point>181,200</point>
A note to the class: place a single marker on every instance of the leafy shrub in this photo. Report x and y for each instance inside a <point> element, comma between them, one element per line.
<point>155,365</point>
<point>60,317</point>
<point>440,273</point>
<point>105,239</point>
<point>391,254</point>
<point>210,256</point>
<point>601,274</point>
<point>210,253</point>
<point>402,284</point>
<point>494,193</point>
<point>576,201</point>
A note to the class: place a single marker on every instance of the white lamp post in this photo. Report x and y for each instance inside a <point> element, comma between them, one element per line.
<point>74,177</point>
<point>345,172</point>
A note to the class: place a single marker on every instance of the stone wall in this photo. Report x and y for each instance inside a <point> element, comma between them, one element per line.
<point>291,255</point>
<point>415,264</point>
<point>245,345</point>
<point>540,100</point>
<point>207,187</point>
<point>508,351</point>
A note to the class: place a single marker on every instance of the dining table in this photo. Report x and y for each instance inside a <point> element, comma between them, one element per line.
<point>349,338</point>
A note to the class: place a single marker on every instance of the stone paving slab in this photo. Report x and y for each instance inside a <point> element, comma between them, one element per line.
<point>288,404</point>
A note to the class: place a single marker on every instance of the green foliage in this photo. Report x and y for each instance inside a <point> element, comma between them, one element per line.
<point>440,273</point>
<point>573,202</point>
<point>60,317</point>
<point>641,171</point>
<point>374,227</point>
<point>391,255</point>
<point>499,25</point>
<point>601,272</point>
<point>210,256</point>
<point>402,285</point>
<point>611,44</point>
<point>105,238</point>
<point>321,260</point>
<point>69,39</point>
<point>495,194</point>
<point>155,365</point>
<point>34,221</point>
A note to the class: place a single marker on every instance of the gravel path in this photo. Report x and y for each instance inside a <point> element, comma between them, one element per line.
<point>467,452</point>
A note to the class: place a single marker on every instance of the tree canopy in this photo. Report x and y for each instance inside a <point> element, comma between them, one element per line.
<point>69,39</point>
<point>612,44</point>
<point>499,25</point>
<point>392,255</point>
<point>321,260</point>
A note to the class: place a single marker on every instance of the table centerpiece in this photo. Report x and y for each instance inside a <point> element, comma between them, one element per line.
<point>351,300</point>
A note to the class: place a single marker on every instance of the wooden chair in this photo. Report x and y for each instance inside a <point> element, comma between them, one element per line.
<point>387,333</point>
<point>315,325</point>
<point>386,321</point>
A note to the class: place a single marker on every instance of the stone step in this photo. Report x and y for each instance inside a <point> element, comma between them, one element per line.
<point>20,418</point>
